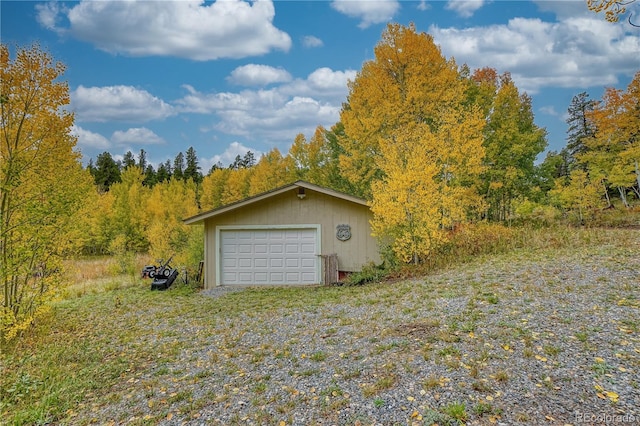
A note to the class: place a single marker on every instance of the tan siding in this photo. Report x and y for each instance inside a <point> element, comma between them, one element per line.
<point>315,208</point>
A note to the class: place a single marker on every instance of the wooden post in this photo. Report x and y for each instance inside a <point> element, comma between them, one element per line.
<point>330,269</point>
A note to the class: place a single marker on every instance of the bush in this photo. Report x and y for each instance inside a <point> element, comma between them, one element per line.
<point>369,273</point>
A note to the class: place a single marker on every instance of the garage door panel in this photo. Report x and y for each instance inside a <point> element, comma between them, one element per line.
<point>308,263</point>
<point>276,248</point>
<point>230,277</point>
<point>229,262</point>
<point>308,276</point>
<point>276,277</point>
<point>245,277</point>
<point>269,256</point>
<point>308,248</point>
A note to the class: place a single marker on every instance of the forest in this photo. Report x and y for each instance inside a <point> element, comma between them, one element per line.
<point>437,149</point>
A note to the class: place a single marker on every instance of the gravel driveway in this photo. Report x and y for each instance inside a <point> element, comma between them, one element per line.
<point>537,339</point>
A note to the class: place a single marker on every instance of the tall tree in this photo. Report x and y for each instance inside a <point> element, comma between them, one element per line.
<point>405,87</point>
<point>150,176</point>
<point>42,183</point>
<point>580,128</point>
<point>142,160</point>
<point>178,166</point>
<point>249,160</point>
<point>106,171</point>
<point>192,170</point>
<point>413,143</point>
<point>512,143</point>
<point>164,172</point>
<point>614,152</point>
<point>128,160</point>
<point>335,178</point>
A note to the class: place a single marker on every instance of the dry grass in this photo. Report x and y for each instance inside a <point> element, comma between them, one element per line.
<point>99,274</point>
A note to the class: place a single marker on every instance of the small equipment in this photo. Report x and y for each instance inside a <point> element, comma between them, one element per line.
<point>163,276</point>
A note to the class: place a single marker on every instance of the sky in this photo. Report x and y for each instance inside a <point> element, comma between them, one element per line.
<point>232,76</point>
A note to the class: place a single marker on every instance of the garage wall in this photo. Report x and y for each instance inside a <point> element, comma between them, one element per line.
<point>315,209</point>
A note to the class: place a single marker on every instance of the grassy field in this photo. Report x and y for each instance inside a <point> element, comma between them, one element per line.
<point>112,337</point>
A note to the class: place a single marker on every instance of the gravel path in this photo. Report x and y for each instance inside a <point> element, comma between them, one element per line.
<point>538,340</point>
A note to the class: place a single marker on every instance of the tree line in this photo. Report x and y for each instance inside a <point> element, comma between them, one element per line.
<point>429,143</point>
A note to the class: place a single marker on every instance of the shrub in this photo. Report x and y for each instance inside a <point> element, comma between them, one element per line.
<point>369,273</point>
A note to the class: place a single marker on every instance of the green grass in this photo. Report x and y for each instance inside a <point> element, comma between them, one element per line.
<point>85,352</point>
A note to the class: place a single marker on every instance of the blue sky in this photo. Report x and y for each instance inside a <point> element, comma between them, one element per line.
<point>230,76</point>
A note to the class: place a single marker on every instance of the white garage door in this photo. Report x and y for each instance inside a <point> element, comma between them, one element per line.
<point>269,256</point>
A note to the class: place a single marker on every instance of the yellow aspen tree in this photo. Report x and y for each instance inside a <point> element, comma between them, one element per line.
<point>42,184</point>
<point>272,171</point>
<point>312,157</point>
<point>129,216</point>
<point>213,187</point>
<point>614,150</point>
<point>168,203</point>
<point>629,130</point>
<point>404,216</point>
<point>412,143</point>
<point>512,144</point>
<point>581,194</point>
<point>237,186</point>
<point>404,87</point>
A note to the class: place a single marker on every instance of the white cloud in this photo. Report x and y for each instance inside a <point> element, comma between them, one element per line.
<point>188,28</point>
<point>369,12</point>
<point>465,8</point>
<point>88,139</point>
<point>117,103</point>
<point>423,5</point>
<point>311,41</point>
<point>48,14</point>
<point>277,114</point>
<point>323,83</point>
<point>228,156</point>
<point>549,110</point>
<point>258,75</point>
<point>136,136</point>
<point>577,52</point>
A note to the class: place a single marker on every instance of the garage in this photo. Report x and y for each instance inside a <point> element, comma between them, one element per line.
<point>299,233</point>
<point>281,256</point>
